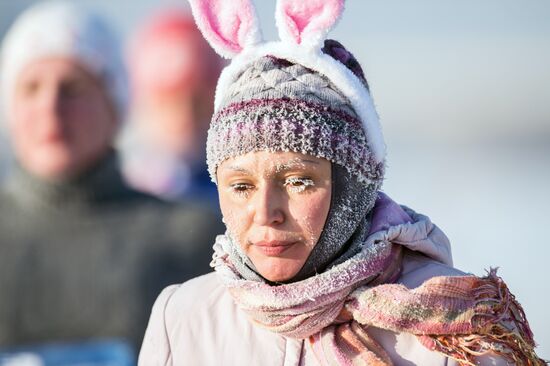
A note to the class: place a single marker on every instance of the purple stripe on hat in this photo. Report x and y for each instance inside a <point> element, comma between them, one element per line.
<point>337,115</point>
<point>292,125</point>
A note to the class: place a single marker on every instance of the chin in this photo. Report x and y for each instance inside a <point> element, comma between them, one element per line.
<point>278,270</point>
<point>277,278</point>
<point>52,168</point>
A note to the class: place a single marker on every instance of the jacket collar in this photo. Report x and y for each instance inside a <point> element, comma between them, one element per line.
<point>403,226</point>
<point>101,183</point>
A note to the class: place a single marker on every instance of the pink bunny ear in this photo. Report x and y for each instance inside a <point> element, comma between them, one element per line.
<point>228,25</point>
<point>307,21</point>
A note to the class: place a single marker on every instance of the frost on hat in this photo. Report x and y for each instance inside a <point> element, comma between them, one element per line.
<point>62,28</point>
<point>302,94</point>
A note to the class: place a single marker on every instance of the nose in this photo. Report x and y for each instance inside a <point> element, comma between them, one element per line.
<point>47,100</point>
<point>268,206</point>
<point>50,101</point>
<point>50,107</point>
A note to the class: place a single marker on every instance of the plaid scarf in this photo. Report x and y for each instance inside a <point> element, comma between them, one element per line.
<point>461,317</point>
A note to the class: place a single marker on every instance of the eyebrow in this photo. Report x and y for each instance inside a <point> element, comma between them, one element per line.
<point>294,163</point>
<point>278,167</point>
<point>239,169</point>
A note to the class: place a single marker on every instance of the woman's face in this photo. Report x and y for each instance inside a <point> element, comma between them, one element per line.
<point>275,205</point>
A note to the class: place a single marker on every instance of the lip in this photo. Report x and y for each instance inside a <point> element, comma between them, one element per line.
<point>53,137</point>
<point>273,248</point>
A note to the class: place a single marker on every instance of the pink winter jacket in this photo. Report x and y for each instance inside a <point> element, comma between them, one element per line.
<point>197,323</point>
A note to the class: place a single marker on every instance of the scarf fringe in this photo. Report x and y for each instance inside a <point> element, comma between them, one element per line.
<point>500,328</point>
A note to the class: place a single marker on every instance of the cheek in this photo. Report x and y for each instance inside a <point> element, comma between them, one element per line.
<point>22,132</point>
<point>311,214</point>
<point>20,116</point>
<point>83,118</point>
<point>90,124</point>
<point>235,215</point>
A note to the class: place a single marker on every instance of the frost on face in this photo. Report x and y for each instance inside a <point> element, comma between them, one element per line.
<point>280,106</point>
<point>344,230</point>
<point>249,182</point>
<point>299,185</point>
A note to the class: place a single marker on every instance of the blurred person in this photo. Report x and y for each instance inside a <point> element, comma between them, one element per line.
<point>4,150</point>
<point>82,255</point>
<point>318,267</point>
<point>173,75</point>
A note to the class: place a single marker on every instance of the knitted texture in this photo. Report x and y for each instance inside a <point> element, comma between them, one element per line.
<point>277,105</point>
<point>461,317</point>
<point>273,78</point>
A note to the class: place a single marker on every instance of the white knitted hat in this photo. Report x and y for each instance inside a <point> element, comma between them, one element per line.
<point>63,28</point>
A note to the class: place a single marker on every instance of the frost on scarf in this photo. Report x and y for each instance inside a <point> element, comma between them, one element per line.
<point>462,317</point>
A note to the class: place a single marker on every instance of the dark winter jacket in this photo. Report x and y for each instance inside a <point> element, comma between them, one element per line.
<point>86,259</point>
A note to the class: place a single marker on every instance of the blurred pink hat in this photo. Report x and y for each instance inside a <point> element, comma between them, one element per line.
<point>168,54</point>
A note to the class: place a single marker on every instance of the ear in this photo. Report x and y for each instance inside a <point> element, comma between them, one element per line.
<point>307,21</point>
<point>228,25</point>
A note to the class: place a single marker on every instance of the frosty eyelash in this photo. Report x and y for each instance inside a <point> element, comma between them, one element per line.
<point>240,189</point>
<point>298,185</point>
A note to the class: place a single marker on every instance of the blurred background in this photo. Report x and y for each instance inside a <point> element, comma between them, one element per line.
<point>463,91</point>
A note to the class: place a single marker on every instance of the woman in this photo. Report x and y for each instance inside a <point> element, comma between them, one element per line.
<point>317,267</point>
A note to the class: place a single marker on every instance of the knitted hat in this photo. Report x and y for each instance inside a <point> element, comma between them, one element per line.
<point>278,105</point>
<point>62,28</point>
<point>289,95</point>
<point>303,94</point>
